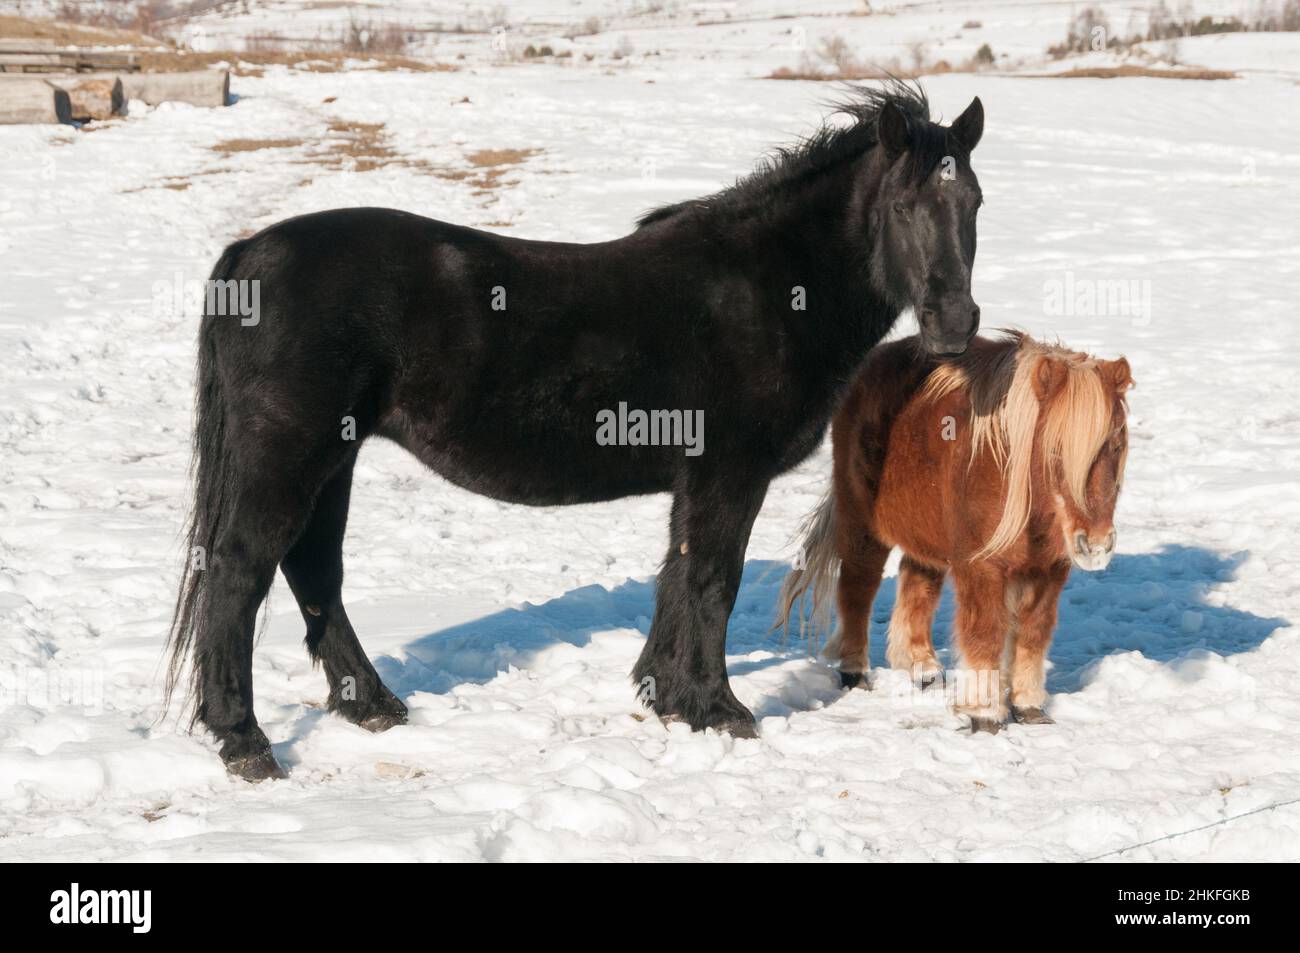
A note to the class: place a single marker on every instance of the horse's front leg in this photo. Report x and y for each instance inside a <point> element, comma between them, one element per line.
<point>1036,620</point>
<point>682,671</point>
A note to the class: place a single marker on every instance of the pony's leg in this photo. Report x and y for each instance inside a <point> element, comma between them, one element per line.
<point>1034,626</point>
<point>862,563</point>
<point>910,647</point>
<point>982,632</point>
<point>314,570</point>
<point>682,671</point>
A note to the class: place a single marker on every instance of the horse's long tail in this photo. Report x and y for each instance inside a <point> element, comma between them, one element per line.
<point>814,572</point>
<point>210,469</point>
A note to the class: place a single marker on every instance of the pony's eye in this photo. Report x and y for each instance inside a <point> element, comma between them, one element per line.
<point>900,208</point>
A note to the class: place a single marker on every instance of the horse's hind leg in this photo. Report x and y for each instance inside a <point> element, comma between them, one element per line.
<point>314,570</point>
<point>982,633</point>
<point>257,529</point>
<point>910,646</point>
<point>862,563</point>
<point>1036,619</point>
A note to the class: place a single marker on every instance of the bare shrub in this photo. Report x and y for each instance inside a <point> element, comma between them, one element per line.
<point>368,37</point>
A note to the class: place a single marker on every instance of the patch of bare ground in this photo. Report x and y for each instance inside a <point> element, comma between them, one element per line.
<point>1118,72</point>
<point>232,146</point>
<point>493,165</point>
<point>365,146</point>
<point>360,146</point>
<point>353,146</point>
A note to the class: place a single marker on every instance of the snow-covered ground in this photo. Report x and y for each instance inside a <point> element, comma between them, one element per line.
<point>510,631</point>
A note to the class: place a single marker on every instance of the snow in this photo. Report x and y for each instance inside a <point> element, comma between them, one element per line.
<point>510,631</point>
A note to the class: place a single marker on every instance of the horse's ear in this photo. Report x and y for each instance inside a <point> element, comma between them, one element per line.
<point>1049,378</point>
<point>1120,374</point>
<point>892,130</point>
<point>969,126</point>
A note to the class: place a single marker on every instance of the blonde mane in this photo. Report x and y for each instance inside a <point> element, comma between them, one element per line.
<point>1005,420</point>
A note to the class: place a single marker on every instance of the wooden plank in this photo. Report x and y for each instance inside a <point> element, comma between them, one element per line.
<point>76,60</point>
<point>31,59</point>
<point>210,87</point>
<point>33,101</point>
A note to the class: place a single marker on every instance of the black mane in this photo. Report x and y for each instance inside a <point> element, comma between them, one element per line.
<point>827,147</point>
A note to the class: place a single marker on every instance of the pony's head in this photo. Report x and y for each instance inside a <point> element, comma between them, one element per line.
<point>921,227</point>
<point>1084,446</point>
<point>1055,423</point>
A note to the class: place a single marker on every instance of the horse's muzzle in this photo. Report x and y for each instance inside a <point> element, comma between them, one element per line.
<point>948,326</point>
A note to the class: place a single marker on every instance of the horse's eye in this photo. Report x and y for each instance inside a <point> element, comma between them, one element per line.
<point>900,208</point>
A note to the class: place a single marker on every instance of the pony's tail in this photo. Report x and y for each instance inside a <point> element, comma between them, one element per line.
<point>210,471</point>
<point>814,573</point>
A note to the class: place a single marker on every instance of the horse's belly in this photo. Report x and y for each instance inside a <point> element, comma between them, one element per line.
<point>537,468</point>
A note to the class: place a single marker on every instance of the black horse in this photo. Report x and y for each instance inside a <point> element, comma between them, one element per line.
<point>498,361</point>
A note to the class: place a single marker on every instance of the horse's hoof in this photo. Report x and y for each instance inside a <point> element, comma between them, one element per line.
<point>738,728</point>
<point>385,711</point>
<point>253,768</point>
<point>854,680</point>
<point>1030,716</point>
<point>988,726</point>
<point>382,721</point>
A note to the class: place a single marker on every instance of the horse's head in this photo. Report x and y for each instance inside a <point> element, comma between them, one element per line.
<point>922,224</point>
<point>1085,427</point>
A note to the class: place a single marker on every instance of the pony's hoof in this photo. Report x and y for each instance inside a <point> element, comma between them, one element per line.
<point>855,680</point>
<point>1030,716</point>
<point>253,768</point>
<point>987,726</point>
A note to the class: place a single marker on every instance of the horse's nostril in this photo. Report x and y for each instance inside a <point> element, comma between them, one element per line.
<point>1081,543</point>
<point>975,314</point>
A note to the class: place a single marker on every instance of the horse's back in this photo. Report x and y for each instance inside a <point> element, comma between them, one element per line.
<point>487,357</point>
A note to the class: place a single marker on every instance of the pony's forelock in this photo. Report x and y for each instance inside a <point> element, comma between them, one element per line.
<point>1006,415</point>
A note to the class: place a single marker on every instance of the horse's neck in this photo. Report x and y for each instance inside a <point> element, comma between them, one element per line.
<point>818,234</point>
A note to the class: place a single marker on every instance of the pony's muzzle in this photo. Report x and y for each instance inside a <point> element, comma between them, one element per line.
<point>1090,555</point>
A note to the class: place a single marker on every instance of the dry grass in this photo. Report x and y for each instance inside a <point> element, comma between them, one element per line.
<point>834,60</point>
<point>1119,72</point>
<point>158,56</point>
<point>860,73</point>
<point>254,62</point>
<point>71,34</point>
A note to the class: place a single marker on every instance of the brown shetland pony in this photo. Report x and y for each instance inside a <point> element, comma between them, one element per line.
<point>1001,468</point>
